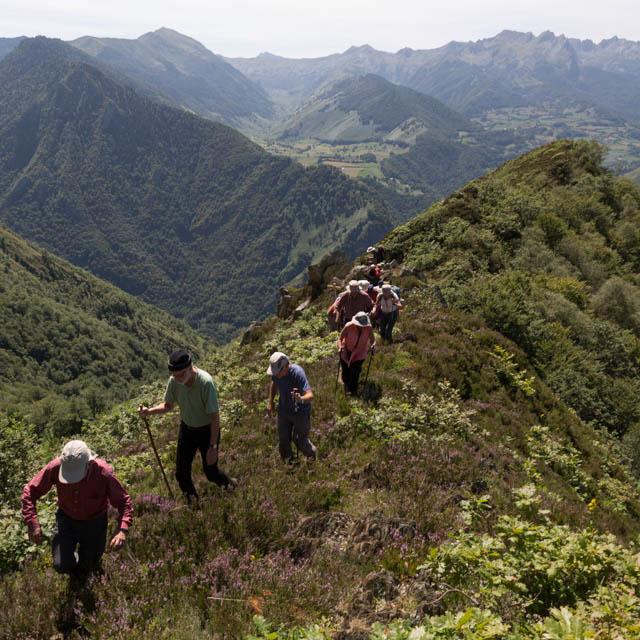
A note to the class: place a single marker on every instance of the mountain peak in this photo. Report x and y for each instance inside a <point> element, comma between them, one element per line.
<point>364,48</point>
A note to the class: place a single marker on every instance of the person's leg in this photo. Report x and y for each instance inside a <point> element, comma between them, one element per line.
<point>356,368</point>
<point>285,427</point>
<point>302,426</point>
<point>184,459</point>
<point>92,538</point>
<point>384,325</point>
<point>392,321</point>
<point>212,472</point>
<point>63,545</point>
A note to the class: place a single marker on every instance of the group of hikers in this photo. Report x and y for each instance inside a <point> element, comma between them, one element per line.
<point>86,484</point>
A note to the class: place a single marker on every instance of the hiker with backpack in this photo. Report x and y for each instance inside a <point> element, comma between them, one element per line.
<point>355,341</point>
<point>290,382</point>
<point>388,305</point>
<point>86,486</point>
<point>354,301</point>
<point>192,389</point>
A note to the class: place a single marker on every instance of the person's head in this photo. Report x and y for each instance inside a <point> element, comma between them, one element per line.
<point>180,366</point>
<point>75,458</point>
<point>371,250</point>
<point>278,365</point>
<point>364,285</point>
<point>362,319</point>
<point>354,287</point>
<point>386,290</point>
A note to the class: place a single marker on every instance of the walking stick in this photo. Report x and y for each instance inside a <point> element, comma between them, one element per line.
<point>335,386</point>
<point>153,444</point>
<point>366,375</point>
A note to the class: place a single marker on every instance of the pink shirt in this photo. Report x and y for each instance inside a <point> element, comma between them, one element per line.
<point>84,500</point>
<point>356,341</point>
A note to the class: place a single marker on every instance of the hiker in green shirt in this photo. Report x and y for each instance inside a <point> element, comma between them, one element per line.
<point>194,391</point>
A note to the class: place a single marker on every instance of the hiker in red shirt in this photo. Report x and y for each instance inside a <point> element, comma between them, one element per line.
<point>355,341</point>
<point>352,302</point>
<point>86,487</point>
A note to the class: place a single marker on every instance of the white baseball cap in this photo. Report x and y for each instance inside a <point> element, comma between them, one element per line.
<point>75,457</point>
<point>277,362</point>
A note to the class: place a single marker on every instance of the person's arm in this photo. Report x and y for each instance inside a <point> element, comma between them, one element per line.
<point>121,500</point>
<point>303,393</point>
<point>38,486</point>
<point>341,339</point>
<point>272,395</point>
<point>158,409</point>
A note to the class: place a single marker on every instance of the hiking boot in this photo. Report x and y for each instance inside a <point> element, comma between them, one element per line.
<point>231,487</point>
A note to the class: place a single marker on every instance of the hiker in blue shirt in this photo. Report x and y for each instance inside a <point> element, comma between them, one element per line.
<point>289,381</point>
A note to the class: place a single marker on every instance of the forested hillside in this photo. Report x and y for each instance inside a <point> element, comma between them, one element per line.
<point>478,490</point>
<point>72,345</point>
<point>186,214</point>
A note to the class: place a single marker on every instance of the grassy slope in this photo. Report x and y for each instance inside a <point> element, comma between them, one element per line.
<point>340,541</point>
<point>71,343</point>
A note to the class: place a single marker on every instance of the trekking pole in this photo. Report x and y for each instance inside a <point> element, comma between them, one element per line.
<point>335,386</point>
<point>296,407</point>
<point>366,375</point>
<point>153,444</point>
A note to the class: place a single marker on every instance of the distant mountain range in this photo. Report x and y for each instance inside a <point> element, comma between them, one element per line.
<point>185,213</point>
<point>511,69</point>
<point>182,72</point>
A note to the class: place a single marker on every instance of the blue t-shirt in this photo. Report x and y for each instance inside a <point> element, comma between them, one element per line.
<point>295,379</point>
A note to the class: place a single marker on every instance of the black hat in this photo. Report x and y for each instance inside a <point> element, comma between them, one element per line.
<point>179,360</point>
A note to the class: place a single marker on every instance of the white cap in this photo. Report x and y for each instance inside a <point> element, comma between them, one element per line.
<point>362,319</point>
<point>75,457</point>
<point>364,284</point>
<point>277,362</point>
<point>354,284</point>
<point>371,249</point>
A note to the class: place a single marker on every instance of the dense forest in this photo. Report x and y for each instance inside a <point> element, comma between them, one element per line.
<point>72,345</point>
<point>481,488</point>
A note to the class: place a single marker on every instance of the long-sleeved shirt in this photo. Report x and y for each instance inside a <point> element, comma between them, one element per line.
<point>356,340</point>
<point>84,500</point>
<point>352,303</point>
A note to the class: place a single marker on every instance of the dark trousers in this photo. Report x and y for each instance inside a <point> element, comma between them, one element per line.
<point>90,538</point>
<point>387,320</point>
<point>295,427</point>
<point>190,440</point>
<point>351,375</point>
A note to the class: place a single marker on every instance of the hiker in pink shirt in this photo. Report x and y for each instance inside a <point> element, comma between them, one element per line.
<point>86,487</point>
<point>355,341</point>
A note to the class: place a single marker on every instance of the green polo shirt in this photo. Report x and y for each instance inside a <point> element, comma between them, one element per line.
<point>196,402</point>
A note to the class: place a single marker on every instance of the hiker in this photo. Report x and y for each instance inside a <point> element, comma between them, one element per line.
<point>377,253</point>
<point>86,486</point>
<point>352,302</point>
<point>290,382</point>
<point>374,272</point>
<point>194,391</point>
<point>372,291</point>
<point>332,315</point>
<point>355,341</point>
<point>387,308</point>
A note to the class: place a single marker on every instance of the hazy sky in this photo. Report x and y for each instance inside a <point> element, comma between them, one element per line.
<point>301,28</point>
